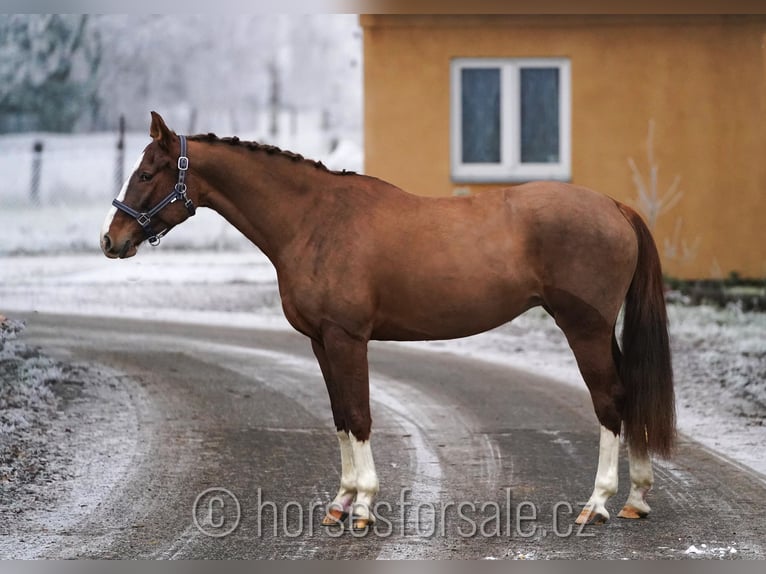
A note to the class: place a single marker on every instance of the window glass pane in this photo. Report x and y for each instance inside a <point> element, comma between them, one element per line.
<point>539,115</point>
<point>480,100</point>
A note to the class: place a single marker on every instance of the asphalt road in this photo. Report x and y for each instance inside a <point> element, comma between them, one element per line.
<point>475,460</point>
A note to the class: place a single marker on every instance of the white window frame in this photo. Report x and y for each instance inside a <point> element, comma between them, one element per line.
<point>510,168</point>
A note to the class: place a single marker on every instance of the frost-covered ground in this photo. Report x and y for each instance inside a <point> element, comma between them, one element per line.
<point>65,436</point>
<point>29,398</point>
<point>719,354</point>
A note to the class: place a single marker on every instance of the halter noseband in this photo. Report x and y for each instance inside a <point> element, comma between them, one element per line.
<point>144,218</point>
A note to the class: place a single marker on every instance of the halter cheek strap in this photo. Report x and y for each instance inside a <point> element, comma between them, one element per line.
<point>144,218</point>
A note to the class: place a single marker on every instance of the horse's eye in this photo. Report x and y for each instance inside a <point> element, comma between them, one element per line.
<point>143,176</point>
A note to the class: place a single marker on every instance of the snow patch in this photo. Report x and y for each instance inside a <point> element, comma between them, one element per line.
<point>711,551</point>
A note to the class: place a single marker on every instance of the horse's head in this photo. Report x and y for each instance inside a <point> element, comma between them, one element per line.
<point>154,198</point>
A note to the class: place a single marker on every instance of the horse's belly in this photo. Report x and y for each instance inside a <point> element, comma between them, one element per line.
<point>447,317</point>
<point>466,275</point>
<point>404,331</point>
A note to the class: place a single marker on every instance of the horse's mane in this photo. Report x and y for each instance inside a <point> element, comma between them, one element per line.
<point>269,149</point>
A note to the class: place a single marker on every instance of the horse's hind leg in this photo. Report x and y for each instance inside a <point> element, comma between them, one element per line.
<point>605,486</point>
<point>641,480</point>
<point>599,369</point>
<point>592,347</point>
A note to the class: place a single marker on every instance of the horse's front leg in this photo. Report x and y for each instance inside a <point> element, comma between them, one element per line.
<point>340,507</point>
<point>343,359</point>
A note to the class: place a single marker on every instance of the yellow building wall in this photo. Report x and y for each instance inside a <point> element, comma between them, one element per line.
<point>701,80</point>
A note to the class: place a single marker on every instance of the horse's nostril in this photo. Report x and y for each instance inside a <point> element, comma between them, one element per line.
<point>107,242</point>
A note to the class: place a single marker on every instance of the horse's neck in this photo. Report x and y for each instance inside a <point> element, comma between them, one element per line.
<point>265,196</point>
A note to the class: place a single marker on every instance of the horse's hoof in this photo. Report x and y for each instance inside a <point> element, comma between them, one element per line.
<point>588,516</point>
<point>334,517</point>
<point>629,511</point>
<point>361,525</point>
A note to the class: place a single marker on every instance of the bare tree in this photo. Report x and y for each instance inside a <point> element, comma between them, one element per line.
<point>652,204</point>
<point>650,201</point>
<point>677,249</point>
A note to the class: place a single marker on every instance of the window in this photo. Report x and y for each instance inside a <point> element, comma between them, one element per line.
<point>510,119</point>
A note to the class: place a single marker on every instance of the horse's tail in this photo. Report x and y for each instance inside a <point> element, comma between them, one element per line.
<point>649,415</point>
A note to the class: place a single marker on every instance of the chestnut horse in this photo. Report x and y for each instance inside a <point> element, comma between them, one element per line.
<point>358,259</point>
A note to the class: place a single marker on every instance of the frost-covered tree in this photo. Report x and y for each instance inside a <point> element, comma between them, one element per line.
<point>325,68</point>
<point>48,65</point>
<point>186,66</point>
<point>203,72</point>
<point>218,72</point>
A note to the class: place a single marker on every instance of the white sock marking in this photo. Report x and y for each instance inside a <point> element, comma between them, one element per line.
<point>347,489</point>
<point>641,481</point>
<point>606,474</point>
<point>366,477</point>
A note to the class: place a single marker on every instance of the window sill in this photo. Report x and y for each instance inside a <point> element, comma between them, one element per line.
<point>511,178</point>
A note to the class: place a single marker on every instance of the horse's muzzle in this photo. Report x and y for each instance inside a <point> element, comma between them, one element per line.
<point>115,251</point>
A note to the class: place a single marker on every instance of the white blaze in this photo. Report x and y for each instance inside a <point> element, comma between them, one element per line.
<point>121,197</point>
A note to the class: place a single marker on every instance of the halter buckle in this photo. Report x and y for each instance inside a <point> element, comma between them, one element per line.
<point>183,163</point>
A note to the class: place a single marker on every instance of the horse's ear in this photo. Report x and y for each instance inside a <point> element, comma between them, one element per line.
<point>161,133</point>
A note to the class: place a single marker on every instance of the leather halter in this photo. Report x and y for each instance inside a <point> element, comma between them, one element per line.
<point>144,218</point>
